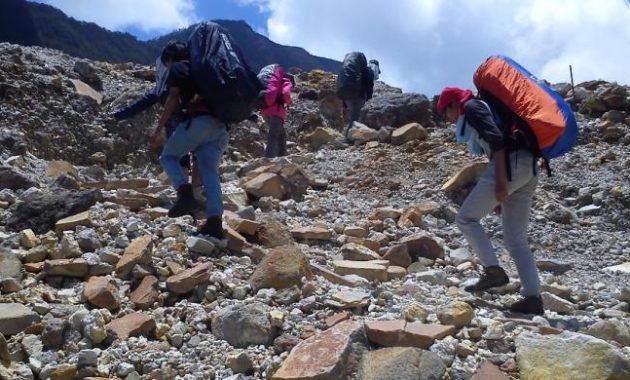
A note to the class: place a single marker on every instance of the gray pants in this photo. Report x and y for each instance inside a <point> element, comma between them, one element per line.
<point>482,200</point>
<point>277,138</point>
<point>354,111</point>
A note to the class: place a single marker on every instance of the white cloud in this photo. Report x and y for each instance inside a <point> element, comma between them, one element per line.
<point>423,45</point>
<point>147,15</point>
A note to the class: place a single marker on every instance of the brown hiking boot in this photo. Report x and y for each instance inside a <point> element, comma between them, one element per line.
<point>492,277</point>
<point>528,305</point>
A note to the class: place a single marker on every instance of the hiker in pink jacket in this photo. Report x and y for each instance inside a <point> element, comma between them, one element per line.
<point>277,99</point>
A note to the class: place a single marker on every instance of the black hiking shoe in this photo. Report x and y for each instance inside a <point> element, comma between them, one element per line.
<point>186,203</point>
<point>213,227</point>
<point>492,277</point>
<point>528,305</point>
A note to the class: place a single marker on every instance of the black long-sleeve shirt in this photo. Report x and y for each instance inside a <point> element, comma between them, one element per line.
<point>480,118</point>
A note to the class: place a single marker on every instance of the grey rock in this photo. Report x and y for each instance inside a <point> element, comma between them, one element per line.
<point>401,363</point>
<point>68,248</point>
<point>557,304</point>
<point>11,178</point>
<point>248,213</point>
<point>434,277</point>
<point>88,74</point>
<point>611,330</point>
<point>10,285</point>
<point>15,317</point>
<point>52,336</point>
<point>244,325</point>
<point>396,110</point>
<point>554,266</point>
<point>460,255</point>
<point>200,246</point>
<point>32,345</point>
<point>88,240</point>
<point>10,265</point>
<point>5,356</point>
<point>576,356</point>
<point>240,362</point>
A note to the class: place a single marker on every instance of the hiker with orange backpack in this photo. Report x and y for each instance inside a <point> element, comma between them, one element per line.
<point>514,122</point>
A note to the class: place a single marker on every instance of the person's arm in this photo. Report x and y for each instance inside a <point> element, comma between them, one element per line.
<point>171,105</point>
<point>479,117</point>
<point>287,87</point>
<point>147,99</point>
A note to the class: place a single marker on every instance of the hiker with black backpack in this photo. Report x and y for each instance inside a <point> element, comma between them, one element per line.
<point>174,51</point>
<point>214,87</point>
<point>355,85</point>
<point>276,97</point>
<point>516,121</point>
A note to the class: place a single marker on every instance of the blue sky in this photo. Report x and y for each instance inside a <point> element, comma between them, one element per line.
<point>218,9</point>
<point>422,45</point>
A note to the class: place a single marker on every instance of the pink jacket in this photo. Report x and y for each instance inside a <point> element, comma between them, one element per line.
<point>279,87</point>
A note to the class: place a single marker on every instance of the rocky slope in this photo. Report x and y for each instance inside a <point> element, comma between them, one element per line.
<point>343,262</point>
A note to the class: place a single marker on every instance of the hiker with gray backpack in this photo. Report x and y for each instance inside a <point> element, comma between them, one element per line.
<point>274,100</point>
<point>355,85</point>
<point>215,88</point>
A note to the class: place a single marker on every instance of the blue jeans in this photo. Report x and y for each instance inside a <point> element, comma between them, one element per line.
<point>482,200</point>
<point>208,138</point>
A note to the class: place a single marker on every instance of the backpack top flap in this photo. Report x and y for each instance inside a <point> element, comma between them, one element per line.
<point>549,116</point>
<point>221,75</point>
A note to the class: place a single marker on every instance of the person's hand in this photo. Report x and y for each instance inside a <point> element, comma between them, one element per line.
<point>501,191</point>
<point>157,139</point>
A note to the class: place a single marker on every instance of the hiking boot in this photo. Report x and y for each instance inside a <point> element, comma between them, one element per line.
<point>186,203</point>
<point>528,305</point>
<point>492,277</point>
<point>213,227</point>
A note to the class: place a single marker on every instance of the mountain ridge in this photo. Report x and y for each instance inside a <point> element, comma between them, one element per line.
<point>35,24</point>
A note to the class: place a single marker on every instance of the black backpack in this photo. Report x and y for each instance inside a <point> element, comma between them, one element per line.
<point>221,76</point>
<point>351,77</point>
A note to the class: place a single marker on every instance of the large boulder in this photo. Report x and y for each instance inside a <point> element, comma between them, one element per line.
<point>322,136</point>
<point>396,110</point>
<point>42,210</point>
<point>361,134</point>
<point>282,268</point>
<point>408,132</point>
<point>244,325</point>
<point>569,356</point>
<point>324,356</point>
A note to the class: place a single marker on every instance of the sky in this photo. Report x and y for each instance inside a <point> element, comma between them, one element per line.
<point>422,45</point>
